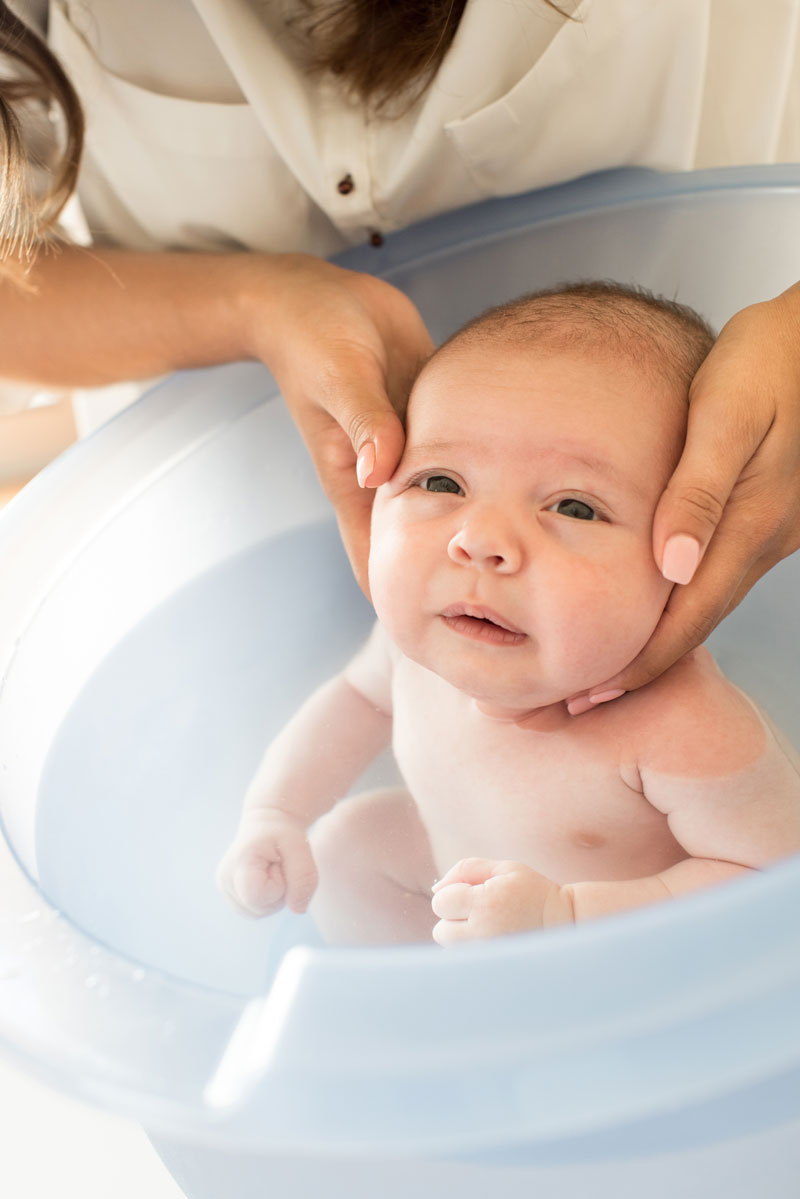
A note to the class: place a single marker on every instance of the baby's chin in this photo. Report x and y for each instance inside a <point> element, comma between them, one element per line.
<point>497,695</point>
<point>527,685</point>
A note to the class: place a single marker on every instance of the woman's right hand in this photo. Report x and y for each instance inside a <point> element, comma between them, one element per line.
<point>344,349</point>
<point>269,864</point>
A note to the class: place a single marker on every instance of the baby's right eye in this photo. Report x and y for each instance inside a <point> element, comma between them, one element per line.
<point>441,484</point>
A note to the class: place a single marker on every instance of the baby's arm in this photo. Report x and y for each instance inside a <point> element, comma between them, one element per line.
<point>311,764</point>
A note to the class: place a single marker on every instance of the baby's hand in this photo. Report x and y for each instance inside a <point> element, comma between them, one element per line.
<point>268,864</point>
<point>482,898</point>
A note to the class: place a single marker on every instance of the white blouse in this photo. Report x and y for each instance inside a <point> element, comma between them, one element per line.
<point>205,132</point>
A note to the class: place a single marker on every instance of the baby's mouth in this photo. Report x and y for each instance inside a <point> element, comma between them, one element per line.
<point>482,624</point>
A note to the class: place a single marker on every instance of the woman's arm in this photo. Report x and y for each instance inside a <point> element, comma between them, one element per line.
<point>343,347</point>
<point>92,317</point>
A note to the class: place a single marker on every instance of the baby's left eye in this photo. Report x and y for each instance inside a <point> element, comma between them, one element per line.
<point>574,508</point>
<point>441,484</point>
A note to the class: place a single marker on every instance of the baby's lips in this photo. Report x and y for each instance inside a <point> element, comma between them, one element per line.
<point>481,612</point>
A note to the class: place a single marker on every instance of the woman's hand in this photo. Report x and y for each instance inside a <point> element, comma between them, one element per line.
<point>344,349</point>
<point>732,507</point>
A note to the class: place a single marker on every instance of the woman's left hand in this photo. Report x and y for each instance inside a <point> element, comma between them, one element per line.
<point>732,507</point>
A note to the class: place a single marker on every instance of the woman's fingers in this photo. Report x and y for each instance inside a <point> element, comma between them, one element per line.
<point>733,406</point>
<point>345,349</point>
<point>356,456</point>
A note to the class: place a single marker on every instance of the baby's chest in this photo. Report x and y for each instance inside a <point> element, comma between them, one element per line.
<point>502,791</point>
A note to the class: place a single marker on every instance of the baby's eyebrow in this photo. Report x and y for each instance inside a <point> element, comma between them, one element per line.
<point>443,452</point>
<point>598,465</point>
<point>428,449</point>
<point>566,456</point>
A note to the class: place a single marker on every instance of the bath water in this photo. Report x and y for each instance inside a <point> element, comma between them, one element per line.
<point>144,782</point>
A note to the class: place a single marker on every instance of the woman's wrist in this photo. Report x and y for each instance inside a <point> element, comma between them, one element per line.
<point>282,299</point>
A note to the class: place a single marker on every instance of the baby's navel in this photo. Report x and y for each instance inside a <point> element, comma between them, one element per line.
<point>585,839</point>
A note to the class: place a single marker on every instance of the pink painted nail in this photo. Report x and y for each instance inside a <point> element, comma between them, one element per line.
<point>603,697</point>
<point>365,463</point>
<point>576,707</point>
<point>680,558</point>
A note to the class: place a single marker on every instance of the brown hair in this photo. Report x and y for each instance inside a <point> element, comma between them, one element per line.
<point>28,214</point>
<point>648,329</point>
<point>386,53</point>
<point>380,51</point>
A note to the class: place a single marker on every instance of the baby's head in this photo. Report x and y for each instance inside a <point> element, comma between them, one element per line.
<point>512,550</point>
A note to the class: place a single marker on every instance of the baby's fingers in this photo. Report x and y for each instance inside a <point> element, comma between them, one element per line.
<point>301,877</point>
<point>258,887</point>
<point>453,902</point>
<point>448,933</point>
<point>469,870</point>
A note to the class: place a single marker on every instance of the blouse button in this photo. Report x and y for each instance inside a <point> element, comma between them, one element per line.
<point>376,239</point>
<point>345,185</point>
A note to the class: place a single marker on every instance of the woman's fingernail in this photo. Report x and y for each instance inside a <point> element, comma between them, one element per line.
<point>365,463</point>
<point>576,707</point>
<point>603,697</point>
<point>680,558</point>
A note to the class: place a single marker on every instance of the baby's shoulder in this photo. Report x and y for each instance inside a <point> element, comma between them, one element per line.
<point>694,720</point>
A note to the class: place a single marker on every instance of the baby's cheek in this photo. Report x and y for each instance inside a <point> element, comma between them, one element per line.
<point>635,609</point>
<point>392,585</point>
<point>605,617</point>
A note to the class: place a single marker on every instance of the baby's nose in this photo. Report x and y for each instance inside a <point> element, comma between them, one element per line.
<point>488,544</point>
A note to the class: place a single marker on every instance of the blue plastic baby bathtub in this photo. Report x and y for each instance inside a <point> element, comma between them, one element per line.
<point>172,587</point>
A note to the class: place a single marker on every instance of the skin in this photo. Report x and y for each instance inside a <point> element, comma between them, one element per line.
<point>498,599</point>
<point>555,577</point>
<point>115,315</point>
<point>735,490</point>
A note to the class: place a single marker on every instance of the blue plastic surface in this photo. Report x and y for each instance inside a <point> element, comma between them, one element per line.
<point>150,640</point>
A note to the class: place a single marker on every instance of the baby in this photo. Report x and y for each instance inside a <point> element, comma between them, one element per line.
<point>512,567</point>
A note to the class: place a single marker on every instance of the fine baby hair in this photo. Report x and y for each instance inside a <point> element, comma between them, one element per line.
<point>602,314</point>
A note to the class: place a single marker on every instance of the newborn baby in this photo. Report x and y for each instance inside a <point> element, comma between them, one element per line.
<point>512,567</point>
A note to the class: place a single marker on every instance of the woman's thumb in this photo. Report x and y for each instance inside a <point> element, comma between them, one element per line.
<point>693,503</point>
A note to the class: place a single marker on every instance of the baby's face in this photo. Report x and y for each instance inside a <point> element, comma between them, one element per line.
<point>511,551</point>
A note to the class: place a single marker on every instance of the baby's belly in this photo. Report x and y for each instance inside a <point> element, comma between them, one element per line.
<point>564,851</point>
<point>589,827</point>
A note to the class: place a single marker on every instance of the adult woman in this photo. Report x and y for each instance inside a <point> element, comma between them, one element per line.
<point>231,125</point>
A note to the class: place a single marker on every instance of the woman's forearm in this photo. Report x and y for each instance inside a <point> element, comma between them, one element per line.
<point>342,345</point>
<point>98,316</point>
